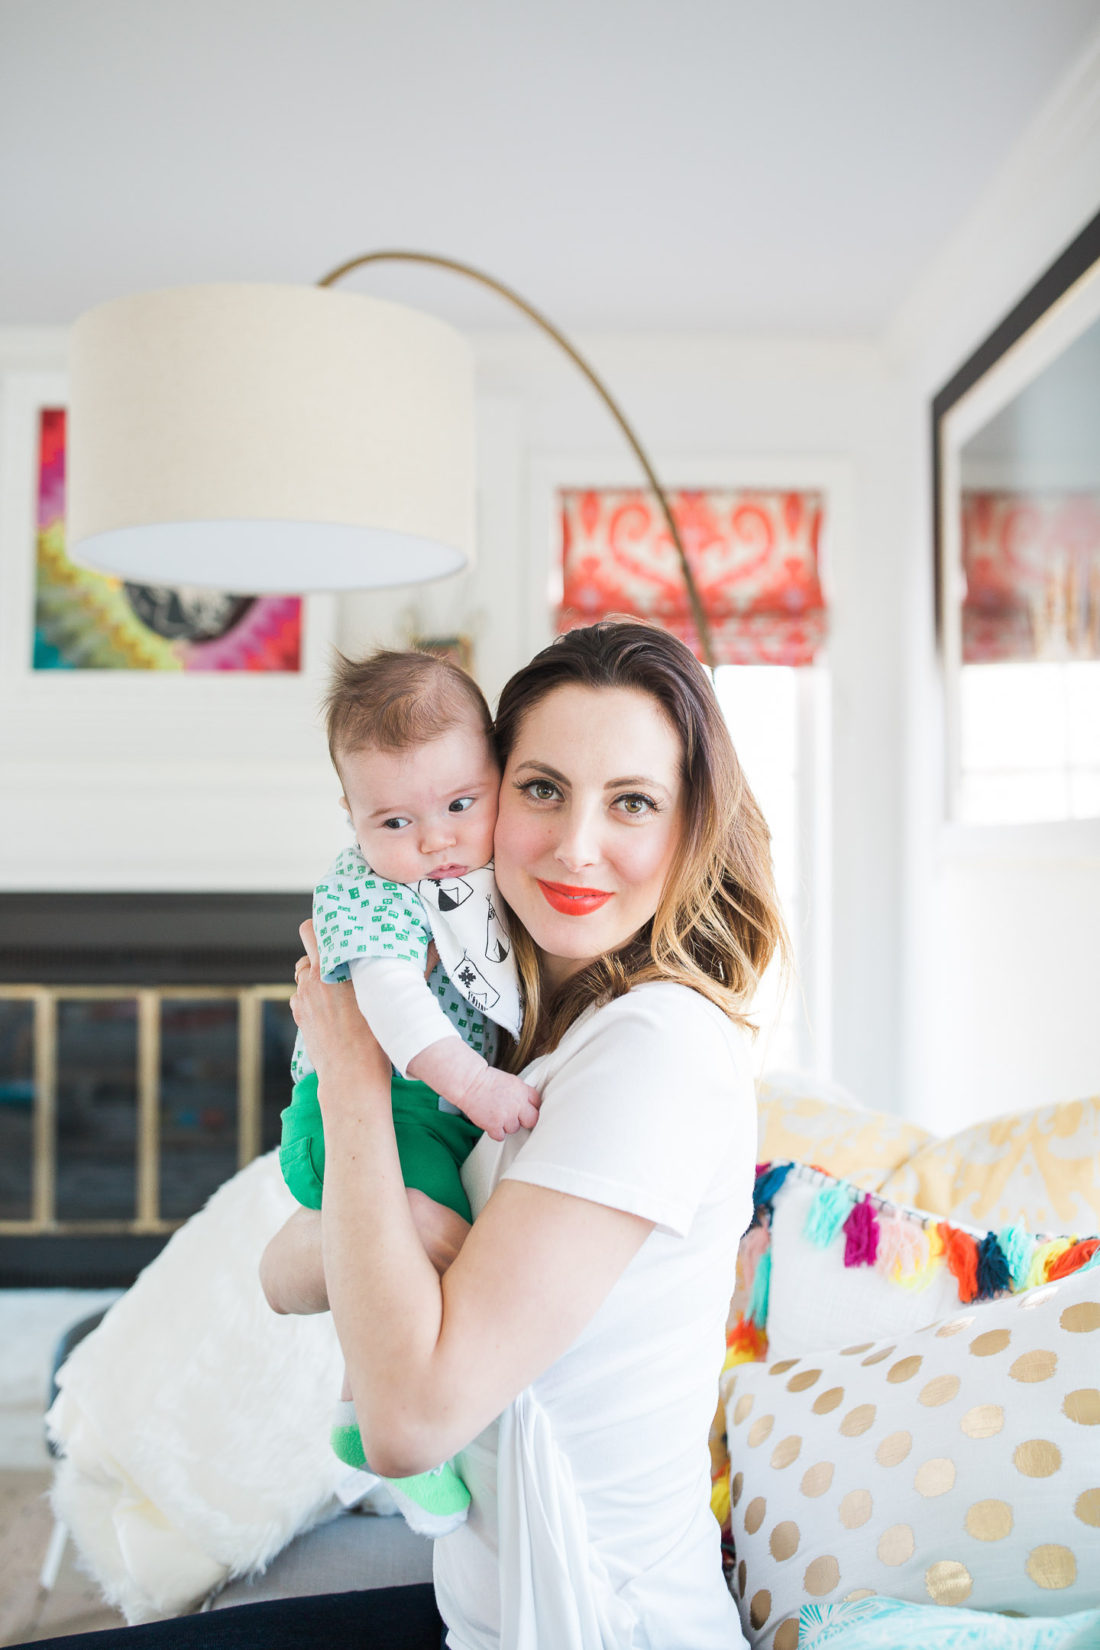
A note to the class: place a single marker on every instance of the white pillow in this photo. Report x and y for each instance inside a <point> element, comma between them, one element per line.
<point>193,1423</point>
<point>959,1464</point>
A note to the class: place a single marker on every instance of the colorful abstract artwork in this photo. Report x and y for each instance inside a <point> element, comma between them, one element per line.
<point>89,621</point>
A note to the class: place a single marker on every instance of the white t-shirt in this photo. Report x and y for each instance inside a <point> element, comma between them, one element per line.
<point>590,1526</point>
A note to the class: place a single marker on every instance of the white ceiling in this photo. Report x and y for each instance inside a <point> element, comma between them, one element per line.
<point>736,165</point>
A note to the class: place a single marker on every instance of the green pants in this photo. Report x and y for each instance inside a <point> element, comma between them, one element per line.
<point>432,1144</point>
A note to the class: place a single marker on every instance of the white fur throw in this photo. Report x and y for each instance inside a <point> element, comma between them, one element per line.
<point>194,1421</point>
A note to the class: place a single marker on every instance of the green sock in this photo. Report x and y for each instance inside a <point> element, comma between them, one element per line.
<point>432,1503</point>
<point>344,1436</point>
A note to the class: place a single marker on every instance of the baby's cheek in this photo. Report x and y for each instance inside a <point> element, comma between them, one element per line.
<point>389,860</point>
<point>482,844</point>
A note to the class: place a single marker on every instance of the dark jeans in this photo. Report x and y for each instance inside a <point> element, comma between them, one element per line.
<point>383,1618</point>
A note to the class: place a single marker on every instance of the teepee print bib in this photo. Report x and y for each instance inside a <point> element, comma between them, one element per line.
<point>473,943</point>
<point>356,913</point>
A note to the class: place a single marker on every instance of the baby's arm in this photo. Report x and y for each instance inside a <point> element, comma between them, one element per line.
<point>399,1006</point>
<point>495,1100</point>
<point>405,1016</point>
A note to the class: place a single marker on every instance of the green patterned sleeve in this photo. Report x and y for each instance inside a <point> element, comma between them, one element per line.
<point>357,914</point>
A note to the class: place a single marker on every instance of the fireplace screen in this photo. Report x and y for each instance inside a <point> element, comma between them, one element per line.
<point>122,1108</point>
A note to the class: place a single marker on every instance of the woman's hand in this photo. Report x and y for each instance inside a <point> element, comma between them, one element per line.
<point>336,1034</point>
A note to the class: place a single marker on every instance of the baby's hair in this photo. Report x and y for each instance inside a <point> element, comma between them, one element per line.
<point>392,701</point>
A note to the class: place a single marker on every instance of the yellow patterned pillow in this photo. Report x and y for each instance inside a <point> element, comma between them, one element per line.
<point>1038,1168</point>
<point>806,1120</point>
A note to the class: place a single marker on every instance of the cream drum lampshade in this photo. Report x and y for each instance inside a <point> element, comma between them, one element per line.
<point>270,438</point>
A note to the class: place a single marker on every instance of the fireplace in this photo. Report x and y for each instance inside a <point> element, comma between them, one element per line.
<point>144,1050</point>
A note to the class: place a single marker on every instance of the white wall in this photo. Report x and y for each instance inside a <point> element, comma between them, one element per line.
<point>999,934</point>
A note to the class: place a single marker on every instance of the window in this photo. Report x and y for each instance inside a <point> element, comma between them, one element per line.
<point>776,715</point>
<point>1030,742</point>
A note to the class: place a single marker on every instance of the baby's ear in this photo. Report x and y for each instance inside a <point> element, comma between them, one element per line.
<point>346,805</point>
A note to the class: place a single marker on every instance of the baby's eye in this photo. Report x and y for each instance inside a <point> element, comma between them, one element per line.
<point>635,804</point>
<point>460,804</point>
<point>398,823</point>
<point>541,790</point>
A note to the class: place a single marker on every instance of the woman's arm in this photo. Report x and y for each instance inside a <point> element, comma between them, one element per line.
<point>292,1270</point>
<point>432,1360</point>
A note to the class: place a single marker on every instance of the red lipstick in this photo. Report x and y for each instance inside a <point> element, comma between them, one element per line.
<point>570,900</point>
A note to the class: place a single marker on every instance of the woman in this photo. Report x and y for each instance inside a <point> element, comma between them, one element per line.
<point>575,1331</point>
<point>585,1309</point>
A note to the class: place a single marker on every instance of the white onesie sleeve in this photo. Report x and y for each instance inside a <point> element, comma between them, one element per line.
<point>643,1102</point>
<point>399,1006</point>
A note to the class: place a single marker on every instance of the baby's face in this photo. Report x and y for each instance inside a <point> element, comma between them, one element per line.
<point>428,811</point>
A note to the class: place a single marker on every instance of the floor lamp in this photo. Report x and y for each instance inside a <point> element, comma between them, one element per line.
<point>268,438</point>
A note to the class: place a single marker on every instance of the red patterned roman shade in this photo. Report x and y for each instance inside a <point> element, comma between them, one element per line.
<point>1032,564</point>
<point>754,556</point>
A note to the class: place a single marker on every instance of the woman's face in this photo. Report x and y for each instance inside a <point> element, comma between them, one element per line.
<point>591,816</point>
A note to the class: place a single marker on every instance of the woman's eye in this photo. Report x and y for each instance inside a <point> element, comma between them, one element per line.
<point>398,823</point>
<point>542,790</point>
<point>460,804</point>
<point>635,804</point>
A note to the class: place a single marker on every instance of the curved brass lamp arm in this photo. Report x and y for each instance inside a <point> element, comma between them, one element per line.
<point>334,275</point>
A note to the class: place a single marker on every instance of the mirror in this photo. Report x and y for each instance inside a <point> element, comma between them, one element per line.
<point>1017,451</point>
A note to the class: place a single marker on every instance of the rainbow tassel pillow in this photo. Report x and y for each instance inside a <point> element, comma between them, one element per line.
<point>827,1264</point>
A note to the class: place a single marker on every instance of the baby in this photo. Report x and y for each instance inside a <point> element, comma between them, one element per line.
<point>410,738</point>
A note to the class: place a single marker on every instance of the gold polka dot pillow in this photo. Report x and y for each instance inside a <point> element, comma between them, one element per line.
<point>959,1464</point>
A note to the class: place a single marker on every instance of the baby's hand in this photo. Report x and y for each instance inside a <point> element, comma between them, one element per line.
<point>500,1103</point>
<point>495,1100</point>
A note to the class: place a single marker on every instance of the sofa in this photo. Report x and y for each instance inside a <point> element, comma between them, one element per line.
<point>193,1470</point>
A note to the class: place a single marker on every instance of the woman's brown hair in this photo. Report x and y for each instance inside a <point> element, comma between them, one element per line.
<point>718,922</point>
